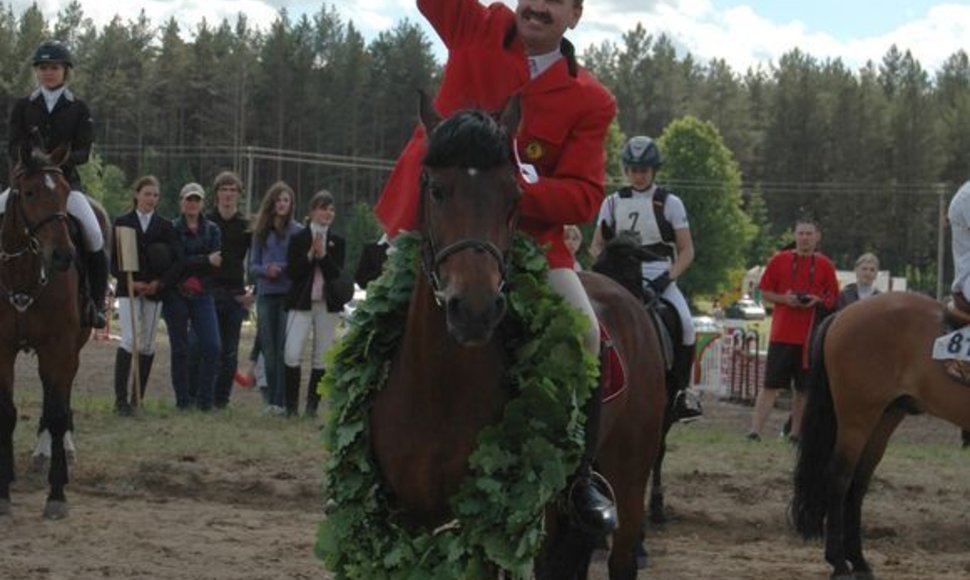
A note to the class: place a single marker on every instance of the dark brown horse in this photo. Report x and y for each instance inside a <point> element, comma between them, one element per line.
<point>622,260</point>
<point>871,367</point>
<point>448,382</point>
<point>39,311</point>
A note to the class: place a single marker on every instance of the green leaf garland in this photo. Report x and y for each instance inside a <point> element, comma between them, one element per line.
<point>520,464</point>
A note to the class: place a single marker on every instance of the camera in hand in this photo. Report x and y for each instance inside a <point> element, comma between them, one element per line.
<point>803,297</point>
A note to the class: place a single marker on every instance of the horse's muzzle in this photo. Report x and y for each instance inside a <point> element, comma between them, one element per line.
<point>472,322</point>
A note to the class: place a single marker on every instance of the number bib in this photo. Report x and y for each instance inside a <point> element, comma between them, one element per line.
<point>953,346</point>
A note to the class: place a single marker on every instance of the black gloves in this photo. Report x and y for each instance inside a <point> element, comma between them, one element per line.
<point>660,283</point>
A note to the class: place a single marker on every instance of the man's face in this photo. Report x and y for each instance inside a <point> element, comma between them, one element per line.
<point>806,238</point>
<point>542,23</point>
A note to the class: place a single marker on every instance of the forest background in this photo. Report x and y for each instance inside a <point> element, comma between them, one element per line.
<point>874,154</point>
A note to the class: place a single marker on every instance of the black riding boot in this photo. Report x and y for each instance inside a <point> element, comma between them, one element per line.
<point>593,508</point>
<point>685,405</point>
<point>292,393</point>
<point>144,371</point>
<point>122,370</point>
<point>312,396</point>
<point>97,265</point>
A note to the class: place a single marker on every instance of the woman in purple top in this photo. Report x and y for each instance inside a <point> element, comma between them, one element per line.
<point>272,232</point>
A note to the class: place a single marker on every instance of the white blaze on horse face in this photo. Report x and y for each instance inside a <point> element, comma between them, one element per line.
<point>472,171</point>
<point>49,182</point>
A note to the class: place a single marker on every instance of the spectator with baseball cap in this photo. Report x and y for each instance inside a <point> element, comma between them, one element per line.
<point>191,302</point>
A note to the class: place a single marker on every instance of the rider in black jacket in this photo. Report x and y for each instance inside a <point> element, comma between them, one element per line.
<point>55,115</point>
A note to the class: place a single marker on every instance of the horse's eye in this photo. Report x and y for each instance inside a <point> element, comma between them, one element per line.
<point>436,191</point>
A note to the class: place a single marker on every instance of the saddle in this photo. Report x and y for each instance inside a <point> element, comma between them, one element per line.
<point>612,370</point>
<point>958,311</point>
<point>956,316</point>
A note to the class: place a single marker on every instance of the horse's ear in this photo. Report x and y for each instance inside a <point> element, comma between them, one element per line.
<point>430,117</point>
<point>60,155</point>
<point>511,115</point>
<point>606,231</point>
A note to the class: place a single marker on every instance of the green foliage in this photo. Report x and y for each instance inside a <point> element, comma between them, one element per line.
<point>701,171</point>
<point>519,466</point>
<point>107,184</point>
<point>360,227</point>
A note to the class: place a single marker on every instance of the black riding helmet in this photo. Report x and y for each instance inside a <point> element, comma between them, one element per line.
<point>641,151</point>
<point>53,51</point>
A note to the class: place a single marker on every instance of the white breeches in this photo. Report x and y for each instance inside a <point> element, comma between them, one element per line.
<point>298,323</point>
<point>147,313</point>
<point>565,282</point>
<point>79,207</point>
<point>673,295</point>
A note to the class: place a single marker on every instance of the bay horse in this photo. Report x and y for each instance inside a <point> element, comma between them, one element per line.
<point>871,366</point>
<point>447,379</point>
<point>622,259</point>
<point>40,310</point>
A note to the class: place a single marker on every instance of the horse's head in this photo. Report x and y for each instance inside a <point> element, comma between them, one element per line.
<point>469,198</point>
<point>622,259</point>
<point>38,206</point>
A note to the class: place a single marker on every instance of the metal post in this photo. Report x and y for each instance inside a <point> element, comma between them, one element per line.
<point>249,180</point>
<point>940,251</point>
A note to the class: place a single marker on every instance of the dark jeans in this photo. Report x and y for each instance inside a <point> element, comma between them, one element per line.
<point>271,333</point>
<point>179,311</point>
<point>230,315</point>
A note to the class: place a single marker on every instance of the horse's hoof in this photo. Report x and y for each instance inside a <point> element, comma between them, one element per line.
<point>641,557</point>
<point>658,518</point>
<point>5,507</point>
<point>55,510</point>
<point>39,463</point>
<point>867,575</point>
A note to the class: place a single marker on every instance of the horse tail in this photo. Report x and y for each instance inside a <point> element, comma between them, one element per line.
<point>816,445</point>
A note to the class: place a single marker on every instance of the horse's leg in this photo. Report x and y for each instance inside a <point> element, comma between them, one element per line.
<point>57,377</point>
<point>840,476</point>
<point>630,476</point>
<point>8,420</point>
<point>658,514</point>
<point>857,491</point>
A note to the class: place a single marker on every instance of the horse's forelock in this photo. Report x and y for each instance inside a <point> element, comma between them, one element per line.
<point>470,139</point>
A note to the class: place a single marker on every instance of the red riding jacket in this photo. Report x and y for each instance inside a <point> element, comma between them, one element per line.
<point>565,119</point>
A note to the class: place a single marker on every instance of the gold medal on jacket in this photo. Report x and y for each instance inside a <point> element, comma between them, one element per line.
<point>534,151</point>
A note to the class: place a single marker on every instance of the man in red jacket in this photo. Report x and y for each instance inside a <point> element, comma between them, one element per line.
<point>494,53</point>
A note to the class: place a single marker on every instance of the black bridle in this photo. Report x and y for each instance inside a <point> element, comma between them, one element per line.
<point>30,246</point>
<point>432,257</point>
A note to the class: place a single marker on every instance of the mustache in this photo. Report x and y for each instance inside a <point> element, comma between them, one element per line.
<point>543,17</point>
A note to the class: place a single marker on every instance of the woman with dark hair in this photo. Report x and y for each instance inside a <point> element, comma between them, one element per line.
<point>274,228</point>
<point>314,262</point>
<point>159,262</point>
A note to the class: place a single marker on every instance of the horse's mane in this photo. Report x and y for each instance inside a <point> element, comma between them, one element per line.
<point>468,139</point>
<point>621,259</point>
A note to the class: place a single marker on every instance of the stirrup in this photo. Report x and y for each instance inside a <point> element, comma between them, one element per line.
<point>687,407</point>
<point>603,487</point>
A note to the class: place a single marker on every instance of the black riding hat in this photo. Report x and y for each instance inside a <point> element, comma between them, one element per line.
<point>641,151</point>
<point>53,51</point>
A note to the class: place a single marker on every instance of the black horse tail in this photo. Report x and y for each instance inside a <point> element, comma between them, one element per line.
<point>816,445</point>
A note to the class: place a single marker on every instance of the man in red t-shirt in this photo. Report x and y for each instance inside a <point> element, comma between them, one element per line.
<point>798,282</point>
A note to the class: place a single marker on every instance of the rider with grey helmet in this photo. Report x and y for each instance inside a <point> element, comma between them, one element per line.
<point>55,116</point>
<point>659,218</point>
